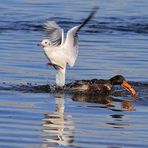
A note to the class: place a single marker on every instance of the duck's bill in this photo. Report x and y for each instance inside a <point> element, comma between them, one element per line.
<point>127,86</point>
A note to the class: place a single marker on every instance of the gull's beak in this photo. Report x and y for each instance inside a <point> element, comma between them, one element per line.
<point>39,44</point>
<point>127,86</point>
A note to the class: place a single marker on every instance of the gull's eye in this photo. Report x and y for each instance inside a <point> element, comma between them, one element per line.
<point>46,42</point>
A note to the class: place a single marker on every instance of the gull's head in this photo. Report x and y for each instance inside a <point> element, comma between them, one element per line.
<point>44,43</point>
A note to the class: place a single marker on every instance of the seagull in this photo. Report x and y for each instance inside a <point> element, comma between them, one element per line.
<point>61,51</point>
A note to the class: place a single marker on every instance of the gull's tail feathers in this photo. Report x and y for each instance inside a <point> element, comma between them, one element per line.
<point>60,77</point>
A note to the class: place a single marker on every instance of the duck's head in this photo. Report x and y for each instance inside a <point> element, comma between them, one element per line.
<point>44,43</point>
<point>120,80</point>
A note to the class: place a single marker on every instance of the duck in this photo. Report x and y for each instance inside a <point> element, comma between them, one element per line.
<point>99,86</point>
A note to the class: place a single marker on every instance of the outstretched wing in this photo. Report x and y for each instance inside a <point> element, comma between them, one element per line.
<point>71,46</point>
<point>71,42</point>
<point>55,33</point>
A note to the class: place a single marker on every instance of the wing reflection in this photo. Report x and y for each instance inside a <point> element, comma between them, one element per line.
<point>58,127</point>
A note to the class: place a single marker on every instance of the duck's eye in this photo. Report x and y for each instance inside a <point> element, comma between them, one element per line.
<point>46,42</point>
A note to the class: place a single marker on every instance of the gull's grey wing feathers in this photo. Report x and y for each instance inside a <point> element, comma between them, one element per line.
<point>54,32</point>
<point>71,42</point>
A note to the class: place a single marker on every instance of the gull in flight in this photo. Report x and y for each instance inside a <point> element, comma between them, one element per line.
<point>61,51</point>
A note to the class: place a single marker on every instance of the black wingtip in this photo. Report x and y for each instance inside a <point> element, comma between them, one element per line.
<point>94,10</point>
<point>90,16</point>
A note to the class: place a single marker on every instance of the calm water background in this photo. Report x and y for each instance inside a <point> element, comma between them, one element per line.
<point>114,42</point>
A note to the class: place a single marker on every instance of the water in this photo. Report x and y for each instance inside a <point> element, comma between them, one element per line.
<point>114,42</point>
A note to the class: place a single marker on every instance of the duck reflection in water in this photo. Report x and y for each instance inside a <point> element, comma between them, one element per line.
<point>107,102</point>
<point>58,127</point>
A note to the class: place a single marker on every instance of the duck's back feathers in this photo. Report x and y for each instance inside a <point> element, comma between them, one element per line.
<point>94,86</point>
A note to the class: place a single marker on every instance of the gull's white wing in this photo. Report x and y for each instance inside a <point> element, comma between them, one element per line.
<point>71,42</point>
<point>71,46</point>
<point>55,33</point>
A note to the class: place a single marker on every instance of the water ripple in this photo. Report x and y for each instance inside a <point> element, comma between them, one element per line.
<point>110,24</point>
<point>114,42</point>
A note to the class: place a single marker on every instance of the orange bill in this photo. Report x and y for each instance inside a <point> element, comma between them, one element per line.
<point>127,86</point>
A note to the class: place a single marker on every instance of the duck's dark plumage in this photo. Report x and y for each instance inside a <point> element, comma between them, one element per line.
<point>101,86</point>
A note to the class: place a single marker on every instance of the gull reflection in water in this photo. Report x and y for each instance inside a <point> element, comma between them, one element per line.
<point>58,127</point>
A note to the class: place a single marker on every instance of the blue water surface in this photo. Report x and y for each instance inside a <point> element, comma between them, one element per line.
<point>114,42</point>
